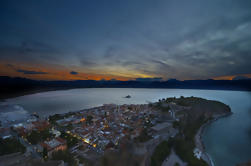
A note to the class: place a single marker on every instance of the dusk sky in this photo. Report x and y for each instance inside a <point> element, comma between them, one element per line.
<point>125,39</point>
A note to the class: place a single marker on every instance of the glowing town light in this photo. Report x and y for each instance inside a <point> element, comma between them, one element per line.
<point>86,141</point>
<point>82,120</point>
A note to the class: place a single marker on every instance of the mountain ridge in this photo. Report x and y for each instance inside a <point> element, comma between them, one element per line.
<point>15,86</point>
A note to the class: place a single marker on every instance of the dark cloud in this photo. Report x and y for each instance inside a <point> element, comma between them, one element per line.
<point>74,73</point>
<point>88,62</point>
<point>10,66</point>
<point>169,39</point>
<point>35,46</point>
<point>31,52</point>
<point>161,64</point>
<point>13,67</point>
<point>30,72</point>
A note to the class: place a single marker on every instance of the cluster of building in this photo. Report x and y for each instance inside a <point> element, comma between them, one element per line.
<point>19,124</point>
<point>23,127</point>
<point>53,145</point>
<point>97,129</point>
<point>107,126</point>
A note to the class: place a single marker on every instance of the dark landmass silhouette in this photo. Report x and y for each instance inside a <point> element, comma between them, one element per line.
<point>15,86</point>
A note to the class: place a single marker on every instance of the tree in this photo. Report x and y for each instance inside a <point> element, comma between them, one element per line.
<point>71,141</point>
<point>89,119</point>
<point>160,153</point>
<point>10,145</point>
<point>37,136</point>
<point>69,127</point>
<point>45,153</point>
<point>143,137</point>
<point>66,156</point>
<point>54,118</point>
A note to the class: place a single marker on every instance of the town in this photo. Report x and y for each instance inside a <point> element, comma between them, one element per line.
<point>85,137</point>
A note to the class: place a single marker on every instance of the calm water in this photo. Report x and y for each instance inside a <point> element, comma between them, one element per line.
<point>228,140</point>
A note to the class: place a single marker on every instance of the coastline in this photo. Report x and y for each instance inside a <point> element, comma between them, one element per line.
<point>199,142</point>
<point>4,96</point>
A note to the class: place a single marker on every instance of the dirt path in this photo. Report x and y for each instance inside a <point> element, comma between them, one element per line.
<point>172,159</point>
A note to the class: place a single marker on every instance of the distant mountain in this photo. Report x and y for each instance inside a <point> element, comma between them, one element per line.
<point>241,78</point>
<point>149,79</point>
<point>10,87</point>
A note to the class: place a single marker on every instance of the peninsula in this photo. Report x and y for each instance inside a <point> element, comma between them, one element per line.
<point>166,132</point>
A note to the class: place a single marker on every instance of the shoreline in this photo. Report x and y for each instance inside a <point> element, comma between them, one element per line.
<point>4,97</point>
<point>199,141</point>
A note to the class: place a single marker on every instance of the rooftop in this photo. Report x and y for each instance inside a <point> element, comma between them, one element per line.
<point>53,143</point>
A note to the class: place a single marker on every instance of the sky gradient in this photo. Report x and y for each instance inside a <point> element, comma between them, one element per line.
<point>125,39</point>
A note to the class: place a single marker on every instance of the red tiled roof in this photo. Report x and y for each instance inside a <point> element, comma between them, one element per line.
<point>61,140</point>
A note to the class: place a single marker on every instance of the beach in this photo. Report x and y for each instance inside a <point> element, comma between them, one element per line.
<point>199,142</point>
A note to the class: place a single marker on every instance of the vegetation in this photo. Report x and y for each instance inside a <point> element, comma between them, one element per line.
<point>184,149</point>
<point>69,127</point>
<point>54,118</point>
<point>198,111</point>
<point>45,153</point>
<point>182,101</point>
<point>37,136</point>
<point>184,144</point>
<point>176,125</point>
<point>10,145</point>
<point>160,153</point>
<point>159,105</point>
<point>66,156</point>
<point>200,105</point>
<point>71,141</point>
<point>143,137</point>
<point>85,161</point>
<point>89,119</point>
<point>122,158</point>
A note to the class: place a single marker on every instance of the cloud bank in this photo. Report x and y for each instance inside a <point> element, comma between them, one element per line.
<point>168,39</point>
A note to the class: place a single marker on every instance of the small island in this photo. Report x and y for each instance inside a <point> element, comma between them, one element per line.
<point>128,96</point>
<point>167,132</point>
